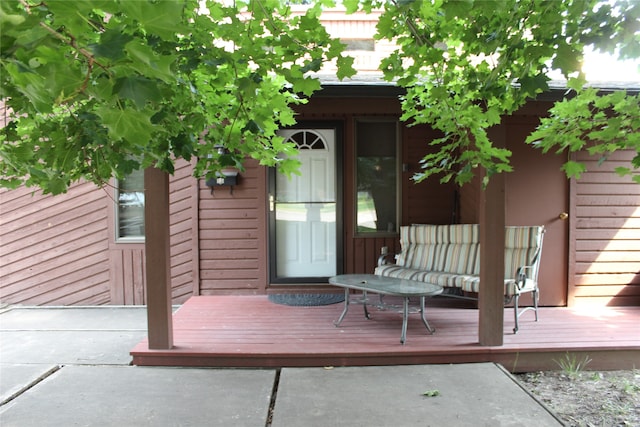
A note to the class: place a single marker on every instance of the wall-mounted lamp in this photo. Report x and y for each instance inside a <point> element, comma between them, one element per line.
<point>226,176</point>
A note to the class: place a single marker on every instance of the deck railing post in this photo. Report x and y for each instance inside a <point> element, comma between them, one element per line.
<point>158,261</point>
<point>492,234</point>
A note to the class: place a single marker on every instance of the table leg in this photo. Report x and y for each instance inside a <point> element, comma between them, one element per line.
<point>346,307</point>
<point>405,316</point>
<point>424,319</point>
<point>364,303</point>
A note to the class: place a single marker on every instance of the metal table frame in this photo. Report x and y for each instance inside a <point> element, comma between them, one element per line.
<point>386,286</point>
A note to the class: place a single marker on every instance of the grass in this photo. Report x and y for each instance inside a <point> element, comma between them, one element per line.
<point>630,387</point>
<point>571,365</point>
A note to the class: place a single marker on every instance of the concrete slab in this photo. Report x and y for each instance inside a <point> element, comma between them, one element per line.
<point>140,396</point>
<point>68,347</point>
<point>77,351</point>
<point>74,318</point>
<point>16,378</point>
<point>64,335</point>
<point>468,395</point>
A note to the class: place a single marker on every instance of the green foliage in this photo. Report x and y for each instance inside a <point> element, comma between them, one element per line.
<point>467,64</point>
<point>98,88</point>
<point>598,123</point>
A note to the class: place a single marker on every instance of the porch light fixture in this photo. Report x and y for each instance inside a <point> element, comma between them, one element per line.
<point>227,176</point>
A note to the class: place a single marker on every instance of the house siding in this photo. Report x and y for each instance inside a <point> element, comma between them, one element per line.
<point>232,235</point>
<point>605,234</point>
<point>427,202</point>
<point>61,250</point>
<point>183,233</point>
<point>53,250</point>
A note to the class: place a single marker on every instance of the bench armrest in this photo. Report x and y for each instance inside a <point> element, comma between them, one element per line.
<point>385,257</point>
<point>523,274</point>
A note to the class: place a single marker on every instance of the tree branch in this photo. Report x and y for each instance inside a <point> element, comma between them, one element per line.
<point>71,42</point>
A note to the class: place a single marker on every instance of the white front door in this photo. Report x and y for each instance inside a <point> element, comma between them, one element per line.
<point>304,208</point>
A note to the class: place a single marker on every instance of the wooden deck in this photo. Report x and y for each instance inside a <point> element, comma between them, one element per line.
<point>251,331</point>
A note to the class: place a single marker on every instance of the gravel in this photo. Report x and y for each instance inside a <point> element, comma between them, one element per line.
<point>588,398</point>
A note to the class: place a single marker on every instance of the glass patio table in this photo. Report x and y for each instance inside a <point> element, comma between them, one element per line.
<point>386,286</point>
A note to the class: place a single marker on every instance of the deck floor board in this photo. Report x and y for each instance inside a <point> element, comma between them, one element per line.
<point>251,331</point>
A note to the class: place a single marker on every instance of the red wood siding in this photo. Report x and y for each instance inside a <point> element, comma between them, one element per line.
<point>427,202</point>
<point>469,201</point>
<point>60,250</point>
<point>54,248</point>
<point>183,211</point>
<point>127,274</point>
<point>233,235</point>
<point>606,235</point>
<point>127,260</point>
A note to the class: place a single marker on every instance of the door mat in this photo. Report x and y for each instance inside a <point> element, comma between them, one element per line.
<point>306,299</point>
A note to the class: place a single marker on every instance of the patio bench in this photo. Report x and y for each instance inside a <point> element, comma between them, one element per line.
<point>449,256</point>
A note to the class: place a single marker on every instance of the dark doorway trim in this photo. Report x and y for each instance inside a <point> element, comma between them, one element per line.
<point>338,126</point>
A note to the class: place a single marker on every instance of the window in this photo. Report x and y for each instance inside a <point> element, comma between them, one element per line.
<point>130,208</point>
<point>352,45</point>
<point>376,177</point>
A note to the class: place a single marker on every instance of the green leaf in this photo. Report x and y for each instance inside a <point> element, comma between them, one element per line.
<point>345,67</point>
<point>138,89</point>
<point>150,63</point>
<point>622,171</point>
<point>574,169</point>
<point>533,85</point>
<point>162,18</point>
<point>351,6</point>
<point>71,15</point>
<point>306,85</point>
<point>577,83</point>
<point>57,185</point>
<point>112,44</point>
<point>567,59</point>
<point>63,82</point>
<point>31,85</point>
<point>10,19</point>
<point>131,125</point>
<point>253,127</point>
<point>453,9</point>
<point>313,65</point>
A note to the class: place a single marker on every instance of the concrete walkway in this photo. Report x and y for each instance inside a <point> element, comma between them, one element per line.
<point>71,366</point>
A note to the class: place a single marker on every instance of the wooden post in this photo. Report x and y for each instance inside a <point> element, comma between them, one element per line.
<point>492,224</point>
<point>158,261</point>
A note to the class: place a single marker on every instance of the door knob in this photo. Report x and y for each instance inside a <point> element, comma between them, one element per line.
<point>563,215</point>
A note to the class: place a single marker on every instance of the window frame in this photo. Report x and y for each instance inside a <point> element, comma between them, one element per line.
<point>116,215</point>
<point>357,121</point>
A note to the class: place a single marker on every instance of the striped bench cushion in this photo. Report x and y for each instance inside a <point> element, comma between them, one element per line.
<point>420,245</point>
<point>465,282</point>
<point>521,246</point>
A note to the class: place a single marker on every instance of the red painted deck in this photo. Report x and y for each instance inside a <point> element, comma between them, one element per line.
<point>251,331</point>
